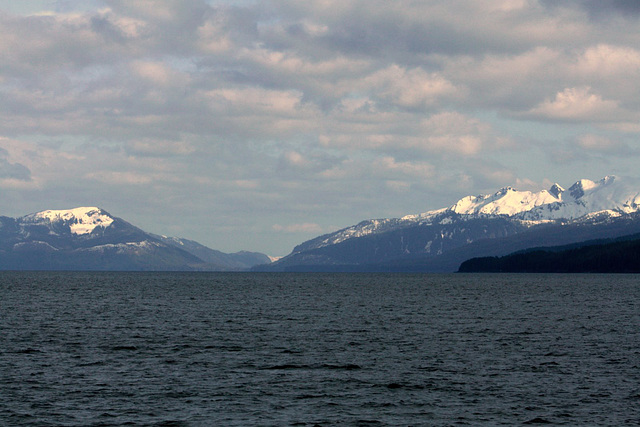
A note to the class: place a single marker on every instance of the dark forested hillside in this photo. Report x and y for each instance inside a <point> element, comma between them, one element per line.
<point>619,256</point>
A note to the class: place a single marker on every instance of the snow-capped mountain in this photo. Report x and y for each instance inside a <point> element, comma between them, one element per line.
<point>89,238</point>
<point>83,220</point>
<point>472,219</point>
<point>614,195</point>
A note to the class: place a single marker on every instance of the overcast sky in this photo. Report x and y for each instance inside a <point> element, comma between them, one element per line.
<point>260,124</point>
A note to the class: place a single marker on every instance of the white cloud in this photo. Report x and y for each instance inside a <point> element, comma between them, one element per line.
<point>307,227</point>
<point>623,127</point>
<point>444,132</point>
<point>322,112</point>
<point>576,104</point>
<point>412,88</point>
<point>158,73</point>
<point>595,142</point>
<point>602,145</point>
<point>451,131</point>
<point>391,167</point>
<point>605,60</point>
<point>213,39</point>
<point>155,147</point>
<point>120,178</point>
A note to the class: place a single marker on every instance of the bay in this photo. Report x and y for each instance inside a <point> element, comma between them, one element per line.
<point>318,349</point>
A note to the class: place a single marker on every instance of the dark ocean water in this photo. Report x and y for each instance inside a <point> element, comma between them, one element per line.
<point>178,349</point>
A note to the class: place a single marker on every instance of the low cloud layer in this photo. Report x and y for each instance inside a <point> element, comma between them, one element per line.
<point>256,125</point>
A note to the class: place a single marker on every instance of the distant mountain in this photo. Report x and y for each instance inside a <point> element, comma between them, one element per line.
<point>485,225</point>
<point>89,238</point>
<point>236,261</point>
<point>620,255</point>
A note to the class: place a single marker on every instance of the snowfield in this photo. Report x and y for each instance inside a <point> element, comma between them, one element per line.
<point>82,220</point>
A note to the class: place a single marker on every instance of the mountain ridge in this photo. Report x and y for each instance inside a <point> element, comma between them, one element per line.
<point>90,238</point>
<point>431,234</point>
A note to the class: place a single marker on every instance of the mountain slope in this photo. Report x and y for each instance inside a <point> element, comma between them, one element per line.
<point>89,238</point>
<point>620,255</point>
<point>440,240</point>
<point>236,261</point>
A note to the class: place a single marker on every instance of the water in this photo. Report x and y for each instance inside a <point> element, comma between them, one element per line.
<point>180,349</point>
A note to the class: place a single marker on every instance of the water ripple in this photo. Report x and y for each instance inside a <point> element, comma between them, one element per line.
<point>181,349</point>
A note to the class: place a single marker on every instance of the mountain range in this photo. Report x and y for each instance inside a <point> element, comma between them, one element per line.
<point>493,225</point>
<point>89,238</point>
<point>475,226</point>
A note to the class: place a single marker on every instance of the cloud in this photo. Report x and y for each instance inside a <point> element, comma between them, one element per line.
<point>454,132</point>
<point>158,74</point>
<point>445,132</point>
<point>599,144</point>
<point>391,167</point>
<point>310,113</point>
<point>13,171</point>
<point>313,165</point>
<point>310,228</point>
<point>413,88</point>
<point>605,60</point>
<point>155,147</point>
<point>576,104</point>
<point>120,178</point>
<point>600,9</point>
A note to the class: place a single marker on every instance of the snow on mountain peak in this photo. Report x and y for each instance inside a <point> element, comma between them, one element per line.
<point>611,193</point>
<point>577,190</point>
<point>82,220</point>
<point>556,191</point>
<point>506,201</point>
<point>610,197</point>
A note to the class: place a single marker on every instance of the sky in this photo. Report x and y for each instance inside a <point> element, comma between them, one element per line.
<point>257,125</point>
